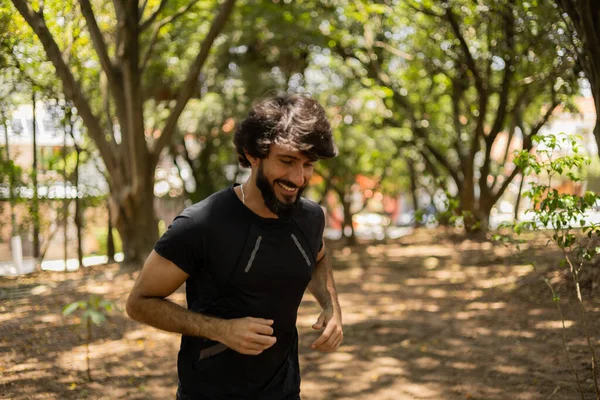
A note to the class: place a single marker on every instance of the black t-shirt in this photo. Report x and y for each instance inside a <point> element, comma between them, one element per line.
<point>243,265</point>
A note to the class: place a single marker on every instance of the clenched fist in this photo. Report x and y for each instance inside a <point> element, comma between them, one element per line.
<point>248,335</point>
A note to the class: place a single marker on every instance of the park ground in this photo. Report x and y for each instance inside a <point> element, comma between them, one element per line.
<point>425,318</point>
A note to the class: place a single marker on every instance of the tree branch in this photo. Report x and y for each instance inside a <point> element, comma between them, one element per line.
<point>189,85</point>
<point>393,50</point>
<point>99,44</point>
<point>590,37</point>
<point>158,27</point>
<point>465,48</point>
<point>71,87</point>
<point>544,119</point>
<point>527,145</point>
<point>144,25</point>
<point>423,10</point>
<point>143,8</point>
<point>507,79</point>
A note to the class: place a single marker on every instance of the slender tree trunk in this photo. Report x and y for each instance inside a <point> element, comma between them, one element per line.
<point>413,190</point>
<point>65,197</point>
<point>597,103</point>
<point>88,324</point>
<point>11,181</point>
<point>201,172</point>
<point>110,241</point>
<point>328,185</point>
<point>473,213</point>
<point>346,204</point>
<point>518,202</point>
<point>78,219</point>
<point>351,240</point>
<point>35,206</point>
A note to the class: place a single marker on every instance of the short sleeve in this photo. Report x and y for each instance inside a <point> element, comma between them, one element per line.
<point>182,244</point>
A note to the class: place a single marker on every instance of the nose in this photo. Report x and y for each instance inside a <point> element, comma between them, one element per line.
<point>297,177</point>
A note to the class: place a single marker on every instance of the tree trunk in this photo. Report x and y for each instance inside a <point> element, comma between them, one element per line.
<point>88,339</point>
<point>518,202</point>
<point>136,222</point>
<point>201,171</point>
<point>35,207</point>
<point>65,216</point>
<point>351,240</point>
<point>482,216</point>
<point>468,205</point>
<point>11,181</point>
<point>597,126</point>
<point>346,203</point>
<point>130,163</point>
<point>110,241</point>
<point>413,191</point>
<point>78,220</point>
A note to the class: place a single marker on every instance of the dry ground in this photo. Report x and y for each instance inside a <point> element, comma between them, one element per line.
<point>425,318</point>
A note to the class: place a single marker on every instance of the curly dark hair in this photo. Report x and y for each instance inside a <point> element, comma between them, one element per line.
<point>290,120</point>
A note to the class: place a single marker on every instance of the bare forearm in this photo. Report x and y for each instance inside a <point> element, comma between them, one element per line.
<point>168,316</point>
<point>322,285</point>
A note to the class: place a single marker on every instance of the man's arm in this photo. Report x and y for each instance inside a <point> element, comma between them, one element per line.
<point>147,303</point>
<point>322,286</point>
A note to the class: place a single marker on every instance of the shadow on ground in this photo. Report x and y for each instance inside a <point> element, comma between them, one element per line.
<point>424,319</point>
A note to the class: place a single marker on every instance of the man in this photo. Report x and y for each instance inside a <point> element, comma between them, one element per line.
<point>247,254</point>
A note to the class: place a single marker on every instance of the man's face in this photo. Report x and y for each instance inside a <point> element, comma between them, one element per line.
<point>282,177</point>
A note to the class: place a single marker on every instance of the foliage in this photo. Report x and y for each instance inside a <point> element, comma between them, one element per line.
<point>564,215</point>
<point>94,311</point>
<point>459,81</point>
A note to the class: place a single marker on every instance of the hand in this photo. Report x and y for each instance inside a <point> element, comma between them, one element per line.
<point>248,335</point>
<point>332,336</point>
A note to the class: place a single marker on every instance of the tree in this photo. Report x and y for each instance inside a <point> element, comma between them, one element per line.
<point>583,22</point>
<point>268,50</point>
<point>459,81</point>
<point>120,55</point>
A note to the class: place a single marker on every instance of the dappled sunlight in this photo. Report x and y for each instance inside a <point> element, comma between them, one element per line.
<point>445,275</point>
<point>381,287</point>
<point>437,293</point>
<point>511,370</point>
<point>415,327</point>
<point>554,324</point>
<point>515,334</point>
<point>422,281</point>
<point>418,251</point>
<point>463,365</point>
<point>486,306</point>
<point>426,362</point>
<point>498,281</point>
<point>49,318</point>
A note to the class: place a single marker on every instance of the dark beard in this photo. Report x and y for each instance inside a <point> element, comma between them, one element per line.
<point>276,206</point>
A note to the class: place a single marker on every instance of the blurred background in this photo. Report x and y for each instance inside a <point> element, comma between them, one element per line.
<point>116,115</point>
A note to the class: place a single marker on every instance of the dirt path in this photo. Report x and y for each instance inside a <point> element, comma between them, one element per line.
<point>423,320</point>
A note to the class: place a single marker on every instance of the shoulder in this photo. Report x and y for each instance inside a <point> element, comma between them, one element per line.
<point>212,209</point>
<point>311,210</point>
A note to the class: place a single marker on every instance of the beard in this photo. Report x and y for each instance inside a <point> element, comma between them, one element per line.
<point>267,190</point>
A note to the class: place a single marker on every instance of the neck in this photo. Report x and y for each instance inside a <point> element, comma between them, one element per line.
<point>253,199</point>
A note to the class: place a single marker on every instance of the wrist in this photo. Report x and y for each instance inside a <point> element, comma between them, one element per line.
<point>211,328</point>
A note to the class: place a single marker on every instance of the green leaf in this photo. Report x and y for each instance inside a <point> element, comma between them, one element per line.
<point>70,308</point>
<point>96,317</point>
<point>107,305</point>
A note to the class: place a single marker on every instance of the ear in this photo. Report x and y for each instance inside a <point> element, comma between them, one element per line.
<point>253,160</point>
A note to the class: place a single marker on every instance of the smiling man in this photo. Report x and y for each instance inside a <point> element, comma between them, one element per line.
<point>247,254</point>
